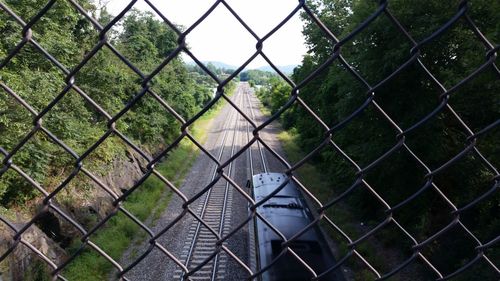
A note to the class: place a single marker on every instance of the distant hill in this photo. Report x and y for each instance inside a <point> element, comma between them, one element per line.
<point>217,64</point>
<point>287,69</point>
<point>220,64</point>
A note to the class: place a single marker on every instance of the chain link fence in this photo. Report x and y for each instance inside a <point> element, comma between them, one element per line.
<point>17,232</point>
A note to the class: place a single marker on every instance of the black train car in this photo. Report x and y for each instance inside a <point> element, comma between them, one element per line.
<point>287,211</point>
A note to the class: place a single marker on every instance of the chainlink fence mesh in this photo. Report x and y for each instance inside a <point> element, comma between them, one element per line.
<point>16,232</point>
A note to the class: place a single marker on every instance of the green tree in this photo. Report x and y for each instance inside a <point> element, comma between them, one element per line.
<point>68,36</point>
<point>375,53</point>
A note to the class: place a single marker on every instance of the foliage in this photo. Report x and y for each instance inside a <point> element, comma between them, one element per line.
<point>107,80</point>
<point>257,77</point>
<point>120,231</point>
<point>68,36</point>
<point>274,94</point>
<point>149,201</point>
<point>375,53</point>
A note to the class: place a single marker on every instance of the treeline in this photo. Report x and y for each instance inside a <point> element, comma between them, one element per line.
<point>202,79</point>
<point>411,95</point>
<point>256,76</point>
<point>68,36</point>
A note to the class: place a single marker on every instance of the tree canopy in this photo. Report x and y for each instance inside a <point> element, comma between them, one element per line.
<point>105,78</point>
<point>375,53</point>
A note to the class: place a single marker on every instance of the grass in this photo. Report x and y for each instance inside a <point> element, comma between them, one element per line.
<point>116,237</point>
<point>147,202</point>
<point>308,172</point>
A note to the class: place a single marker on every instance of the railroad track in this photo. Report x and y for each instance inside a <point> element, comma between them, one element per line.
<point>252,255</point>
<point>214,206</point>
<point>259,146</point>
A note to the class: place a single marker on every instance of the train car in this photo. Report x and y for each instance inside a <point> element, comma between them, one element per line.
<point>288,212</point>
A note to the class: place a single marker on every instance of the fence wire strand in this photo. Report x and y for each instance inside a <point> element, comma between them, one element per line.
<point>400,143</point>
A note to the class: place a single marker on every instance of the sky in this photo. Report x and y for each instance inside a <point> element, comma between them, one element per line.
<point>222,38</point>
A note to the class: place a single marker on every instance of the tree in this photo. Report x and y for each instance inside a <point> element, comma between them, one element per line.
<point>375,53</point>
<point>144,40</point>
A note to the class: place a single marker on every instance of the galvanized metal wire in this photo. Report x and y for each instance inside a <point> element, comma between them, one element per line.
<point>384,10</point>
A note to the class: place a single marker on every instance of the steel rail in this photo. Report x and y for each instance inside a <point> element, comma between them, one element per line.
<point>261,152</point>
<point>233,119</point>
<point>252,239</point>
<point>245,93</point>
<point>214,173</point>
<point>226,191</point>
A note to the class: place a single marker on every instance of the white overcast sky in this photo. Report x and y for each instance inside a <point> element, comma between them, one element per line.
<point>222,38</point>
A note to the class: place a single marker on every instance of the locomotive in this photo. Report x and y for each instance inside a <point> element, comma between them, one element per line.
<point>288,212</point>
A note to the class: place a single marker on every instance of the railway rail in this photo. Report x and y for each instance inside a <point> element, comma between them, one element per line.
<point>251,238</point>
<point>259,146</point>
<point>199,251</point>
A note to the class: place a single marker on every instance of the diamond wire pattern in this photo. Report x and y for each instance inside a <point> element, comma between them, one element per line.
<point>295,99</point>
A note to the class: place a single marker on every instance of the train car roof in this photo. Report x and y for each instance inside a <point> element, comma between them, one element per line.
<point>289,221</point>
<point>265,183</point>
<point>288,212</point>
<point>285,210</point>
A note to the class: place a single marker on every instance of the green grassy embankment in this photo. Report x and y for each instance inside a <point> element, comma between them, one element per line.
<point>147,202</point>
